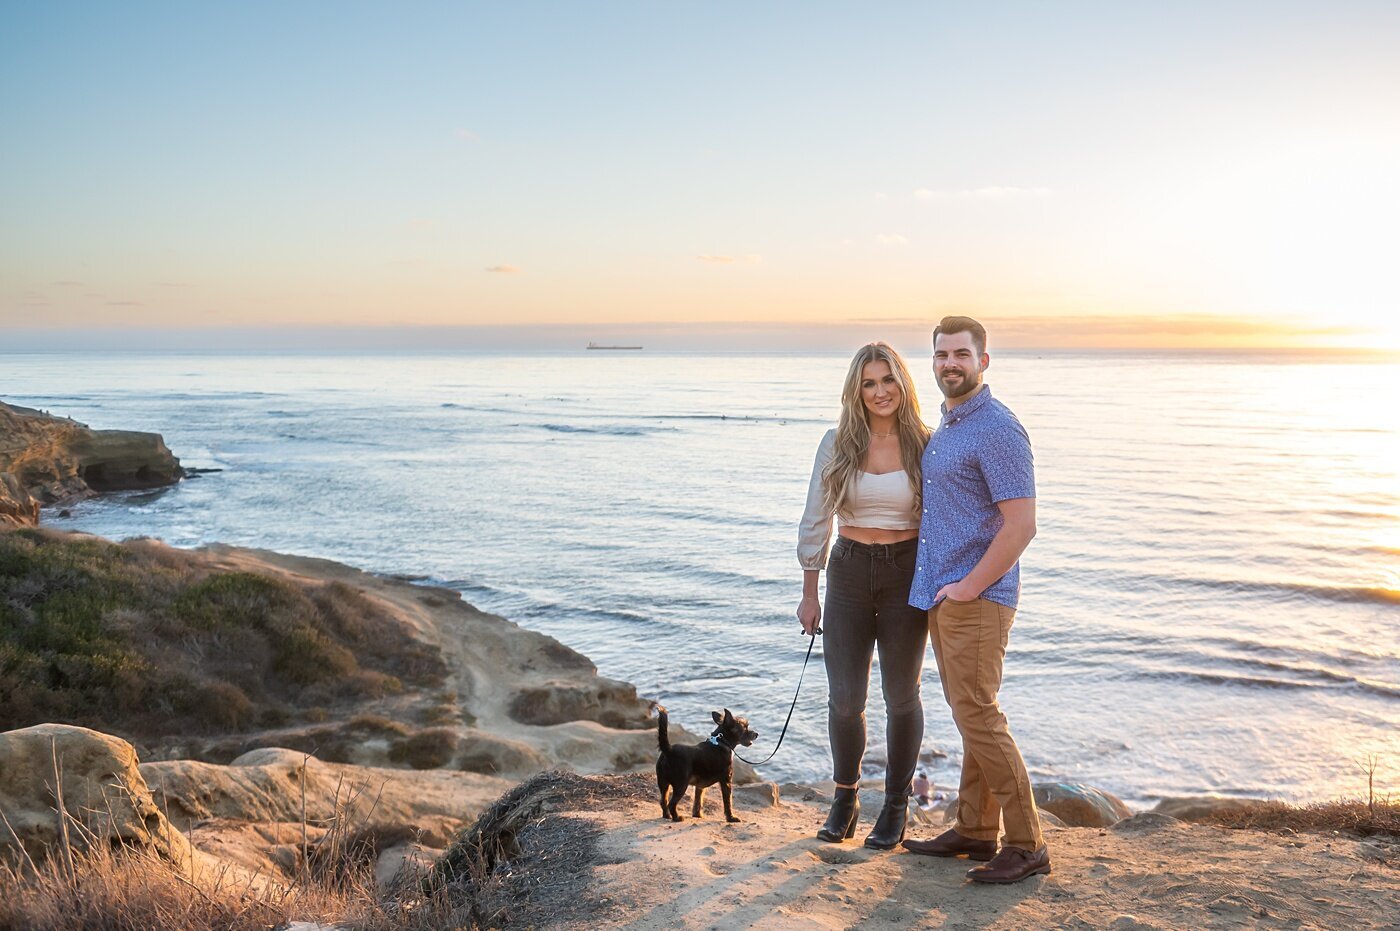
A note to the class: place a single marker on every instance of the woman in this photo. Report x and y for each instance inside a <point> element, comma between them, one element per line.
<point>867,475</point>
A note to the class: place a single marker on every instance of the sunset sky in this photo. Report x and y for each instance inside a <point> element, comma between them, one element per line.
<point>731,174</point>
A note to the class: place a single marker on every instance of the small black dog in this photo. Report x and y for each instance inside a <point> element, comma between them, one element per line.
<point>702,765</point>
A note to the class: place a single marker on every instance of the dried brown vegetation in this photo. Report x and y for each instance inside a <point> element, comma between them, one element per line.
<point>1350,816</point>
<point>88,882</point>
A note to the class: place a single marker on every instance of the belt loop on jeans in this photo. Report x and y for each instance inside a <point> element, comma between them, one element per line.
<point>881,551</point>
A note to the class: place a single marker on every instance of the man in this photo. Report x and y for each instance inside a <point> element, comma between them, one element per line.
<point>979,515</point>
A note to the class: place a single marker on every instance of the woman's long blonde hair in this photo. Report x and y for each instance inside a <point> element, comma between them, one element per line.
<point>853,429</point>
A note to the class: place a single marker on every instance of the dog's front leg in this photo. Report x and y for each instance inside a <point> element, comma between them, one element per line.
<point>695,810</point>
<point>728,807</point>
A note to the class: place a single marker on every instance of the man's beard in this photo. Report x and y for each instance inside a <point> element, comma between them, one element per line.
<point>966,384</point>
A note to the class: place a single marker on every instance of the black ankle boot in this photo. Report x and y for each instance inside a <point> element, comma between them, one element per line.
<point>889,827</point>
<point>845,813</point>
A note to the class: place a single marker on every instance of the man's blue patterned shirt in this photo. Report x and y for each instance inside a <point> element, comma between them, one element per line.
<point>979,455</point>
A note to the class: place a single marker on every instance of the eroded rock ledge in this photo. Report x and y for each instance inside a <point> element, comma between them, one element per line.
<point>47,460</point>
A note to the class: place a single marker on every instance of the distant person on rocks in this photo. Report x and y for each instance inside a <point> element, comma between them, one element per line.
<point>866,475</point>
<point>923,790</point>
<point>978,517</point>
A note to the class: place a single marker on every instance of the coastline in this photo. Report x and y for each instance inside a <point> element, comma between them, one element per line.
<point>461,720</point>
<point>245,823</point>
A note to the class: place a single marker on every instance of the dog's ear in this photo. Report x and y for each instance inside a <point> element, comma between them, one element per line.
<point>727,715</point>
<point>718,719</point>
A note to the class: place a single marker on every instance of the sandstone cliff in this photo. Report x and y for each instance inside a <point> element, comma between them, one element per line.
<point>46,460</point>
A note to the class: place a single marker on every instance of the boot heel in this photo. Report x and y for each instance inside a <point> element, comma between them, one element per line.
<point>845,815</point>
<point>889,827</point>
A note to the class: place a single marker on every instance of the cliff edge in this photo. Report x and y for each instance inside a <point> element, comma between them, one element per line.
<point>47,460</point>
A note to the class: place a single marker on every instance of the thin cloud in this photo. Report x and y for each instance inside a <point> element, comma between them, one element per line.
<point>891,239</point>
<point>125,304</point>
<point>466,135</point>
<point>990,192</point>
<point>750,259</point>
<point>504,269</point>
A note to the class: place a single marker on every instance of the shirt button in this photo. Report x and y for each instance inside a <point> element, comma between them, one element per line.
<point>925,510</point>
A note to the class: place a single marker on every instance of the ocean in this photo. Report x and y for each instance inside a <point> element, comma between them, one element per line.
<point>1212,604</point>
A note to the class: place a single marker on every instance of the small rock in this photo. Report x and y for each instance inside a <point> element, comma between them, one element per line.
<point>757,795</point>
<point>802,792</point>
<point>1079,805</point>
<point>1370,850</point>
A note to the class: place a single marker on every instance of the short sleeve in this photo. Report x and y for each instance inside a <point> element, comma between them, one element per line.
<point>1005,459</point>
<point>814,531</point>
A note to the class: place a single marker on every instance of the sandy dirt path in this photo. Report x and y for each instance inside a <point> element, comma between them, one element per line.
<point>1149,872</point>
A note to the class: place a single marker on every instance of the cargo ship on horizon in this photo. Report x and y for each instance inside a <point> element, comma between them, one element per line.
<point>597,346</point>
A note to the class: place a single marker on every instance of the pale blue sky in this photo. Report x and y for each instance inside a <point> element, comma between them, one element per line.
<point>255,164</point>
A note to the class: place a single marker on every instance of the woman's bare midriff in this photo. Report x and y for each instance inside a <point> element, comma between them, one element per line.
<point>876,535</point>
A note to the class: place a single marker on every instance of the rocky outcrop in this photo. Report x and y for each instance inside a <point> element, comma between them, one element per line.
<point>1200,807</point>
<point>274,785</point>
<point>253,813</point>
<point>17,507</point>
<point>1079,805</point>
<point>607,701</point>
<point>46,460</point>
<point>93,780</point>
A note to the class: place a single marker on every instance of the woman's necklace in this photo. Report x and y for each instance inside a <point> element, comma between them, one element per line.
<point>884,436</point>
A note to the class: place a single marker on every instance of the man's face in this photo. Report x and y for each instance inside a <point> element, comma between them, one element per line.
<point>957,366</point>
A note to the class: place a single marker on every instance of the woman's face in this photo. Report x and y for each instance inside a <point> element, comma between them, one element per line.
<point>879,390</point>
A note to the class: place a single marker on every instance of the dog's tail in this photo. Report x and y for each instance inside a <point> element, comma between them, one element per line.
<point>662,741</point>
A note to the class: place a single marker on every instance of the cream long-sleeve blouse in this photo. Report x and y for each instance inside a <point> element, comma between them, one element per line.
<point>882,501</point>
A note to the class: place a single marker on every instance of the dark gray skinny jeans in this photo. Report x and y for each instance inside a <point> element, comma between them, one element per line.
<point>867,604</point>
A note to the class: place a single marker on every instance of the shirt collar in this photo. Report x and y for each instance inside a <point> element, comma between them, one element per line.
<point>966,407</point>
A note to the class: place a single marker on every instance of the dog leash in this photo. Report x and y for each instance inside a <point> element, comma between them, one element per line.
<point>791,707</point>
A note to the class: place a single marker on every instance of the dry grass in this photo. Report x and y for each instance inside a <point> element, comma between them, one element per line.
<point>131,890</point>
<point>426,749</point>
<point>1349,816</point>
<point>527,860</point>
<point>88,881</point>
<point>1375,815</point>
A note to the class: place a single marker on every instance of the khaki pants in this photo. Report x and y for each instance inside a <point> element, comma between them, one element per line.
<point>969,642</point>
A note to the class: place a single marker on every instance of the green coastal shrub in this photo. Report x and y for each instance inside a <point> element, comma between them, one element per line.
<point>143,641</point>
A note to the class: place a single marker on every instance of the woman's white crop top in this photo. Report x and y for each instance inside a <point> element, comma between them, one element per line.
<point>881,501</point>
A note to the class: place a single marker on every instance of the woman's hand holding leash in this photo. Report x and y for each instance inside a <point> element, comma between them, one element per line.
<point>809,615</point>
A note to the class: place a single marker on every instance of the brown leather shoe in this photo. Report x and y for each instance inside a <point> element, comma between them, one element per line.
<point>950,843</point>
<point>1011,865</point>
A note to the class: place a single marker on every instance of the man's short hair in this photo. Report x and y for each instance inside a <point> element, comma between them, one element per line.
<point>962,325</point>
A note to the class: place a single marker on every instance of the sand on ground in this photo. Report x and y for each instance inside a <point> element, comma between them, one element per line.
<point>1147,872</point>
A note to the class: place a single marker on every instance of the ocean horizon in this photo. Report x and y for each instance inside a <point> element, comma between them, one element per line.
<point>1210,606</point>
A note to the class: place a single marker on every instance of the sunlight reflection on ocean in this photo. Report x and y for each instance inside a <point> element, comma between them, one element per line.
<point>1212,603</point>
